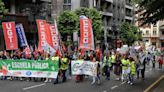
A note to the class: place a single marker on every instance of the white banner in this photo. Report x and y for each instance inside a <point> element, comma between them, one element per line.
<point>31,73</point>
<point>84,67</point>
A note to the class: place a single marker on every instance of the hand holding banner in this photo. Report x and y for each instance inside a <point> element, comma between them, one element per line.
<point>84,67</point>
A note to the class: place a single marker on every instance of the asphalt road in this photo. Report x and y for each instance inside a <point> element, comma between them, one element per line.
<point>160,87</point>
<point>85,86</point>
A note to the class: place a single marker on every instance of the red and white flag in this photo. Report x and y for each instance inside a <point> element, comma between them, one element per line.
<point>27,52</point>
<point>10,35</point>
<point>44,34</point>
<point>86,34</point>
<point>55,36</point>
<point>42,27</point>
<point>49,35</point>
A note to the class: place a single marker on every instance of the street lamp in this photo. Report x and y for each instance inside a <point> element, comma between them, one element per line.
<point>115,33</point>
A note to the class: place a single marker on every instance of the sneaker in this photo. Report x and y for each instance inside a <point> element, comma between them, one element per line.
<point>92,83</point>
<point>50,80</point>
<point>46,81</point>
<point>107,78</point>
<point>98,82</point>
<point>128,82</point>
<point>131,83</point>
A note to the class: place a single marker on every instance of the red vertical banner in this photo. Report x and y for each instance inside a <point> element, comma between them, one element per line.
<point>42,27</point>
<point>48,35</point>
<point>86,34</point>
<point>10,35</point>
<point>55,37</point>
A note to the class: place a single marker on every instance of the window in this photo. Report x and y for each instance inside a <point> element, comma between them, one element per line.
<point>67,1</point>
<point>147,40</point>
<point>154,32</point>
<point>154,25</point>
<point>162,32</point>
<point>147,32</point>
<point>67,5</point>
<point>84,3</point>
<point>154,43</point>
<point>162,44</point>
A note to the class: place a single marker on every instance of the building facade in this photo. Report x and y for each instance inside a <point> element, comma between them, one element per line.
<point>26,12</point>
<point>153,34</point>
<point>114,13</point>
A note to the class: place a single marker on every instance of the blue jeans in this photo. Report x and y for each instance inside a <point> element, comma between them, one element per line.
<point>107,72</point>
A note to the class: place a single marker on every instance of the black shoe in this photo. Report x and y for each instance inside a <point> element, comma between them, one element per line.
<point>55,83</point>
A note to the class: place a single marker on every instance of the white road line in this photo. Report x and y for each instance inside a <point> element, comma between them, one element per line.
<point>123,82</point>
<point>33,86</point>
<point>114,87</point>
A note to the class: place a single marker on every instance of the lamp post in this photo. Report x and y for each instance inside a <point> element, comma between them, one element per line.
<point>115,33</point>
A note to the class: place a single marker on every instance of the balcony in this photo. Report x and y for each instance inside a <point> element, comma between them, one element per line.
<point>109,1</point>
<point>128,18</point>
<point>161,37</point>
<point>129,7</point>
<point>146,35</point>
<point>106,13</point>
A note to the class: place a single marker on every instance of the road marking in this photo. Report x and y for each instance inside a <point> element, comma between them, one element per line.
<point>104,91</point>
<point>114,87</point>
<point>154,84</point>
<point>33,86</point>
<point>123,83</point>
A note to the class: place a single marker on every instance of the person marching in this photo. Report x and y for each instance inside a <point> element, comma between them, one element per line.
<point>47,58</point>
<point>54,59</point>
<point>117,66</point>
<point>125,64</point>
<point>79,78</point>
<point>64,67</point>
<point>132,71</point>
<point>113,61</point>
<point>107,64</point>
<point>98,71</point>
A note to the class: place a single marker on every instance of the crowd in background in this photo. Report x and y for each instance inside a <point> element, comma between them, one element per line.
<point>126,67</point>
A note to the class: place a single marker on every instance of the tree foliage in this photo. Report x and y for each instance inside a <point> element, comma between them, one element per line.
<point>67,23</point>
<point>129,33</point>
<point>151,10</point>
<point>95,16</point>
<point>3,10</point>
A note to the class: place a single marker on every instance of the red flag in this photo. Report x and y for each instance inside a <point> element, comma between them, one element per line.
<point>42,28</point>
<point>49,35</point>
<point>10,35</point>
<point>27,52</point>
<point>55,36</point>
<point>86,34</point>
<point>63,47</point>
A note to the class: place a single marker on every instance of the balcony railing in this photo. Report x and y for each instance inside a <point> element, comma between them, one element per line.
<point>106,13</point>
<point>129,7</point>
<point>128,18</point>
<point>109,1</point>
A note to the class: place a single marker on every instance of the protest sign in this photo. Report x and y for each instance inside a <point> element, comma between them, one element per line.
<point>84,67</point>
<point>29,68</point>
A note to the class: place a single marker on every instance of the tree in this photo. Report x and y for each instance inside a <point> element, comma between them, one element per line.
<point>151,10</point>
<point>67,23</point>
<point>95,16</point>
<point>3,10</point>
<point>129,33</point>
